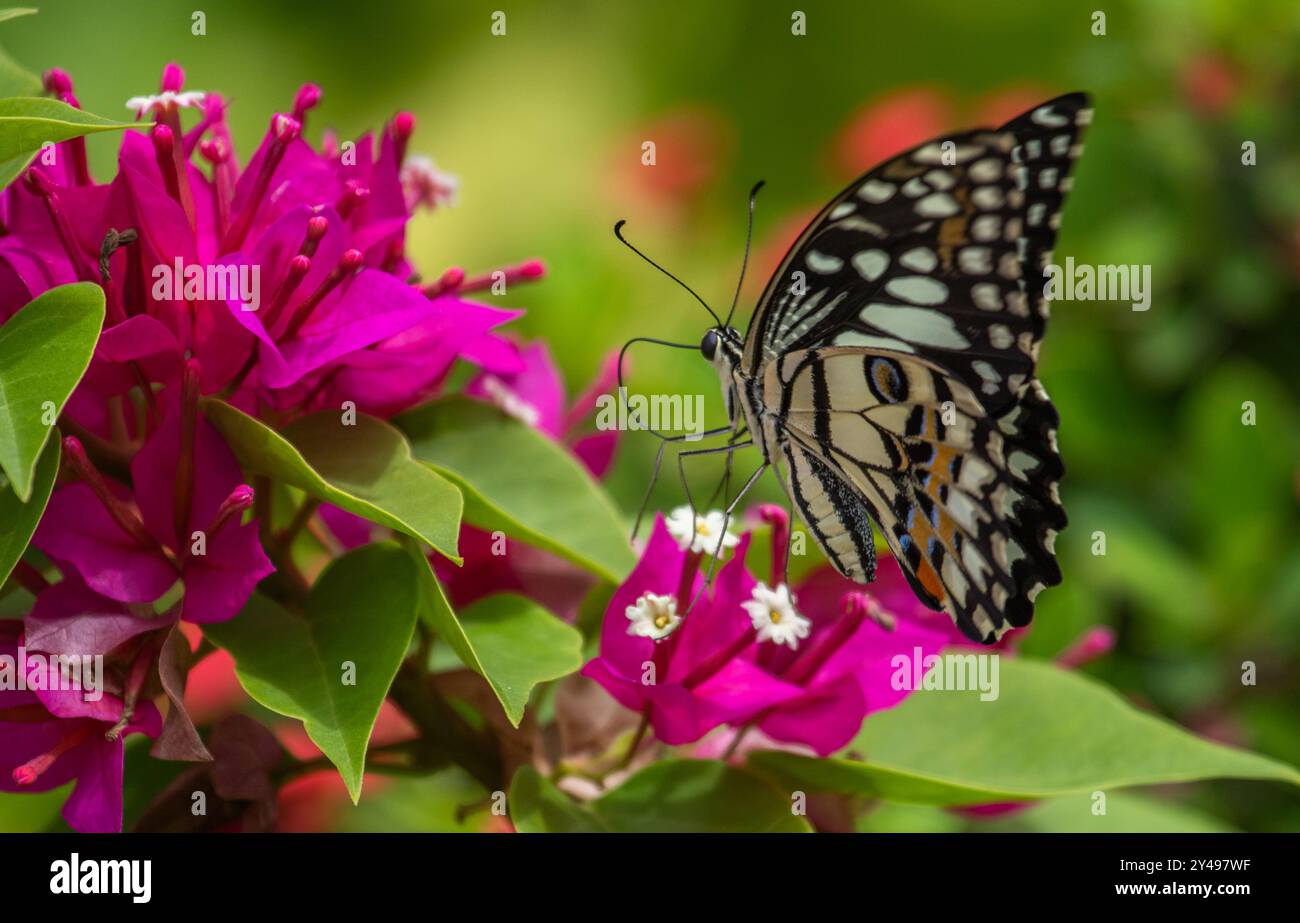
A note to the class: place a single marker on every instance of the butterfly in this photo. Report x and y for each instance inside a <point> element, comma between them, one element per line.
<point>889,369</point>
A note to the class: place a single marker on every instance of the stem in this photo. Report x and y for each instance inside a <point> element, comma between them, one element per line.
<point>636,740</point>
<point>296,768</point>
<point>284,541</point>
<point>114,459</point>
<point>229,390</point>
<point>29,578</point>
<point>444,734</point>
<point>735,742</point>
<point>262,509</point>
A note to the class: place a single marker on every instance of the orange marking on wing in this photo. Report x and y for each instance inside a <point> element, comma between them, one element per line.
<point>929,579</point>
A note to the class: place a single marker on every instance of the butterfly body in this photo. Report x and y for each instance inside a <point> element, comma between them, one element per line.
<point>889,370</point>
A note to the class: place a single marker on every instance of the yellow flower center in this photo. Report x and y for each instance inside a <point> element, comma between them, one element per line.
<point>775,617</point>
<point>662,620</point>
<point>702,529</point>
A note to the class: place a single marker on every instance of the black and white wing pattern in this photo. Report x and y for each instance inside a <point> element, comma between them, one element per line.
<point>967,502</point>
<point>896,346</point>
<point>939,252</point>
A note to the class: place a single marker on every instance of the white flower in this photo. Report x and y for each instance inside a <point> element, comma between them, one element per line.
<point>653,616</point>
<point>702,533</point>
<point>424,184</point>
<point>510,401</point>
<point>774,616</point>
<point>143,105</point>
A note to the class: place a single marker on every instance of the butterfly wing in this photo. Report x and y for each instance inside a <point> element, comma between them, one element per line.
<point>939,252</point>
<point>968,502</point>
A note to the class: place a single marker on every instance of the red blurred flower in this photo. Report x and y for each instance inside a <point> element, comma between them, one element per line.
<point>690,147</point>
<point>890,125</point>
<point>1209,83</point>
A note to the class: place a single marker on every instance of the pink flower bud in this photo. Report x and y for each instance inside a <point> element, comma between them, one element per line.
<point>173,78</point>
<point>308,97</point>
<point>351,261</point>
<point>285,128</point>
<point>57,81</point>
<point>163,140</point>
<point>213,151</point>
<point>403,126</point>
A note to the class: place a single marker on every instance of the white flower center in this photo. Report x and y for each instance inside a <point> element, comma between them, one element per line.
<point>774,616</point>
<point>701,533</point>
<point>653,616</point>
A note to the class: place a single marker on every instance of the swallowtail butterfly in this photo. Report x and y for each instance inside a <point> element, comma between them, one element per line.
<point>888,371</point>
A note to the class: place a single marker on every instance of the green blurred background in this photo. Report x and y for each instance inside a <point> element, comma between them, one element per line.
<point>544,128</point>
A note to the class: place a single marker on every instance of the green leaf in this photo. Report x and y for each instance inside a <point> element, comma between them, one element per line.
<point>361,611</point>
<point>1050,732</point>
<point>28,122</point>
<point>1125,813</point>
<point>15,80</point>
<point>518,481</point>
<point>510,641</point>
<point>34,812</point>
<point>366,469</point>
<point>20,519</point>
<point>1220,450</point>
<point>537,806</point>
<point>519,645</point>
<point>423,804</point>
<point>44,350</point>
<point>671,796</point>
<point>1143,565</point>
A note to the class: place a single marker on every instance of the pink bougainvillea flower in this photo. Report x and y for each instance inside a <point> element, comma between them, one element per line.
<point>281,285</point>
<point>321,306</point>
<point>50,737</point>
<point>396,372</point>
<point>307,296</point>
<point>814,662</point>
<point>846,667</point>
<point>676,658</point>
<point>69,617</point>
<point>184,523</point>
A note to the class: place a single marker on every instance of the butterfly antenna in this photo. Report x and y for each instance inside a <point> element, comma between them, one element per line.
<point>626,346</point>
<point>618,232</point>
<point>623,352</point>
<point>749,239</point>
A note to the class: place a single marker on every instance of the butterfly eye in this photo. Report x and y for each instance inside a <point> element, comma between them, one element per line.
<point>709,345</point>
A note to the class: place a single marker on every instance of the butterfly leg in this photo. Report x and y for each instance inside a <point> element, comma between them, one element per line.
<point>659,458</point>
<point>714,450</point>
<point>724,483</point>
<point>726,522</point>
<point>731,508</point>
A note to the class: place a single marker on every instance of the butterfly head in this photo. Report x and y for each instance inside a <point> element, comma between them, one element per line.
<point>722,346</point>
